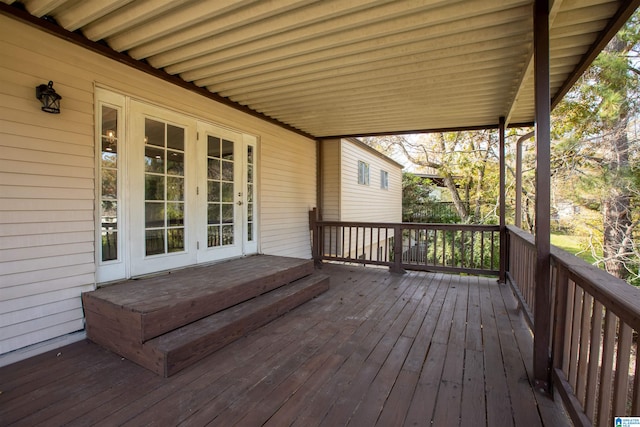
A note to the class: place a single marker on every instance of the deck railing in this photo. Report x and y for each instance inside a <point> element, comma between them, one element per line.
<point>595,317</point>
<point>594,332</point>
<point>459,248</point>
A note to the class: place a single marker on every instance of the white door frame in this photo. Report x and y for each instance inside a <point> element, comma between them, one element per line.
<point>131,259</point>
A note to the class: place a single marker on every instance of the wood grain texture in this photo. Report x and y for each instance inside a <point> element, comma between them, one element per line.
<point>376,348</point>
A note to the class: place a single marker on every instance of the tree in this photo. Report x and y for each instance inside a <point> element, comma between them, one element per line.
<point>466,161</point>
<point>594,153</point>
<point>416,195</point>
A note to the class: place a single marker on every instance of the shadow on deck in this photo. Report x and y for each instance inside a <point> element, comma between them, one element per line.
<point>375,349</point>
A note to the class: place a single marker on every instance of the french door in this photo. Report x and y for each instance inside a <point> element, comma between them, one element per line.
<point>186,191</point>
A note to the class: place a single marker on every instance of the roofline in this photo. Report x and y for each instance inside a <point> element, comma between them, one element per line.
<point>433,130</point>
<point>374,151</point>
<point>104,50</point>
<point>618,20</point>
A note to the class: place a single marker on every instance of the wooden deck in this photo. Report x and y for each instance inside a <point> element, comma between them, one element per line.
<point>376,349</point>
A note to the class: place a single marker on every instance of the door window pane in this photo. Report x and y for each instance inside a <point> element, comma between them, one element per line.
<point>154,187</point>
<point>109,181</point>
<point>164,187</point>
<point>154,242</point>
<point>250,187</point>
<point>227,170</point>
<point>154,215</point>
<point>175,240</point>
<point>220,188</point>
<point>175,137</point>
<point>213,213</point>
<point>153,160</point>
<point>213,191</point>
<point>109,184</point>
<point>175,214</point>
<point>175,163</point>
<point>213,170</point>
<point>213,236</point>
<point>227,192</point>
<point>227,214</point>
<point>154,132</point>
<point>175,188</point>
<point>227,150</point>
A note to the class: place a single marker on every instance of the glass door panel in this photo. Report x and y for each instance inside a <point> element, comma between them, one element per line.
<point>221,198</point>
<point>164,188</point>
<point>111,249</point>
<point>160,172</point>
<point>220,192</point>
<point>250,162</point>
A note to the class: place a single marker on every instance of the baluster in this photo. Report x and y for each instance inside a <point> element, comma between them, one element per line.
<point>621,382</point>
<point>594,359</point>
<point>606,371</point>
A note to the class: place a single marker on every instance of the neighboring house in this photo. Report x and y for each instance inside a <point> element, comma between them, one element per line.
<point>134,176</point>
<point>359,184</point>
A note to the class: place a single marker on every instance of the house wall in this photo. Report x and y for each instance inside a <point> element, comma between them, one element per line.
<point>343,199</point>
<point>331,179</point>
<point>369,202</point>
<point>47,170</point>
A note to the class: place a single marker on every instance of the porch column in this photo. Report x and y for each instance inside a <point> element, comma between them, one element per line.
<point>542,313</point>
<point>502,278</point>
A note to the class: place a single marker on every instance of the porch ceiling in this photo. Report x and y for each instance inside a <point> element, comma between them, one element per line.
<point>353,67</point>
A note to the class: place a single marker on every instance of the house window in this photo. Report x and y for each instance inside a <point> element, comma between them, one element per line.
<point>384,180</point>
<point>363,173</point>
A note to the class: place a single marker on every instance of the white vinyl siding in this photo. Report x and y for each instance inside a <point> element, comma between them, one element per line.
<point>331,183</point>
<point>369,202</point>
<point>345,198</point>
<point>47,170</point>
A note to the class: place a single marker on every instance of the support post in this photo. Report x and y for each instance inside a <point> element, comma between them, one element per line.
<point>502,277</point>
<point>542,313</point>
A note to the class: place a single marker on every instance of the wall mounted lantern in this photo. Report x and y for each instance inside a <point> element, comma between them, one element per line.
<point>49,98</point>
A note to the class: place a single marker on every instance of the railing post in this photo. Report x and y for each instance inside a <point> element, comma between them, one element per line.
<point>397,251</point>
<point>315,237</point>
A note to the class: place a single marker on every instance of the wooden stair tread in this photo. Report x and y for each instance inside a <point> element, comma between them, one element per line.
<point>186,345</point>
<point>156,292</point>
<point>222,319</point>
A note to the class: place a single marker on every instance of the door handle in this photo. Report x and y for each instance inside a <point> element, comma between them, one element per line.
<point>240,203</point>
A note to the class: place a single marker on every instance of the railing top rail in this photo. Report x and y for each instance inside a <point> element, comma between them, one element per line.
<point>526,237</point>
<point>410,225</point>
<point>615,294</point>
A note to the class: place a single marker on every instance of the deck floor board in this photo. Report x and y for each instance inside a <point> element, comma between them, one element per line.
<point>376,349</point>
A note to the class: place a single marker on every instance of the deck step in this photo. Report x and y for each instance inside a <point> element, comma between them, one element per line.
<point>147,308</point>
<point>169,321</point>
<point>184,346</point>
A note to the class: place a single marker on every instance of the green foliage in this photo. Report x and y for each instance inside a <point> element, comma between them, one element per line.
<point>595,152</point>
<point>416,195</point>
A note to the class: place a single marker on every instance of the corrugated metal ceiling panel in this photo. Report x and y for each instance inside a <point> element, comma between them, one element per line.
<point>348,67</point>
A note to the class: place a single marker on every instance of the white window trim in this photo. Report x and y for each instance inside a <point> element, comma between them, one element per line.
<point>384,179</point>
<point>363,173</point>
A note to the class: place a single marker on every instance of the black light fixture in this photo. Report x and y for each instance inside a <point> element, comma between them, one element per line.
<point>49,98</point>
